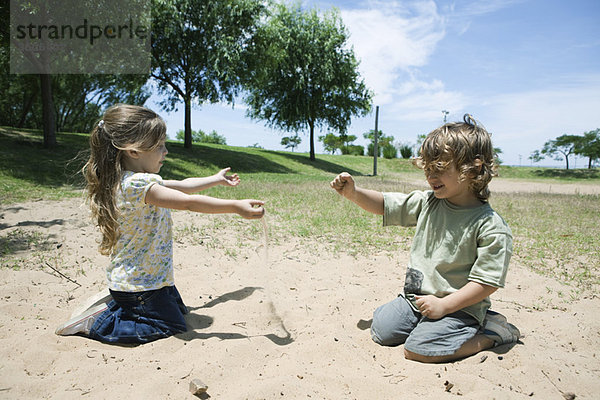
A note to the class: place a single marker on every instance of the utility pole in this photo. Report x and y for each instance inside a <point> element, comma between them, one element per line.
<point>375,149</point>
<point>445,112</point>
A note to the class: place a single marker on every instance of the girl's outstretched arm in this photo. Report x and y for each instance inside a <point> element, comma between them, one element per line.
<point>162,196</point>
<point>194,185</point>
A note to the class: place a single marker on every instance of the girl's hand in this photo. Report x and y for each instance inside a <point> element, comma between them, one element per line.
<point>227,180</point>
<point>250,209</point>
<point>343,184</point>
<point>431,306</point>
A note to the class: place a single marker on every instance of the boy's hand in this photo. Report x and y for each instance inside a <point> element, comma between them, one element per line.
<point>343,184</point>
<point>431,306</point>
<point>227,180</point>
<point>250,209</point>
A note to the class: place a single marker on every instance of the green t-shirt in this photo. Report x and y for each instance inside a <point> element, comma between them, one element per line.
<point>452,245</point>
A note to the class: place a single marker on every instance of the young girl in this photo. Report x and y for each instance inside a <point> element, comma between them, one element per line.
<point>131,204</point>
<point>459,255</point>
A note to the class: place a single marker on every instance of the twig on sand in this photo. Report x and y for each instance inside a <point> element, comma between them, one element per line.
<point>63,275</point>
<point>566,395</point>
<point>516,304</point>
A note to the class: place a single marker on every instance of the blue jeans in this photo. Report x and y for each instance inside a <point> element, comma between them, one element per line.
<point>141,317</point>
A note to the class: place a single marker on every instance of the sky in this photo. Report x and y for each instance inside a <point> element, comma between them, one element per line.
<point>528,70</point>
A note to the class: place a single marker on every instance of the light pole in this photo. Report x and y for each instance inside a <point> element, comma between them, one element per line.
<point>445,114</point>
<point>375,149</point>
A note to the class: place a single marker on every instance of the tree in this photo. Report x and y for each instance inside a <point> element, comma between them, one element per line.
<point>497,152</point>
<point>80,99</point>
<point>305,73</point>
<point>347,139</point>
<point>382,141</point>
<point>561,147</point>
<point>291,141</point>
<point>353,149</point>
<point>214,138</point>
<point>20,101</point>
<point>39,60</point>
<point>406,150</point>
<point>200,137</point>
<point>197,136</point>
<point>199,50</point>
<point>389,151</point>
<point>536,156</point>
<point>65,98</point>
<point>420,139</point>
<point>331,142</point>
<point>588,145</point>
<point>347,146</point>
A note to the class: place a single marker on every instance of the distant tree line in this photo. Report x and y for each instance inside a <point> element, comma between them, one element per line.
<point>293,68</point>
<point>560,148</point>
<point>200,137</point>
<point>386,146</point>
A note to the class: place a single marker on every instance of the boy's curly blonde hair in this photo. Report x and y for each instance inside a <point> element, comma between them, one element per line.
<point>468,146</point>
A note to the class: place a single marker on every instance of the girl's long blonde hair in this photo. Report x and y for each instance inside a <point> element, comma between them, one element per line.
<point>123,127</point>
<point>466,144</point>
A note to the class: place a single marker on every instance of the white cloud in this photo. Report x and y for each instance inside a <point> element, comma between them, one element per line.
<point>474,8</point>
<point>390,39</point>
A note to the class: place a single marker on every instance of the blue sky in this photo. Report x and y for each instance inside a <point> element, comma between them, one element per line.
<point>529,70</point>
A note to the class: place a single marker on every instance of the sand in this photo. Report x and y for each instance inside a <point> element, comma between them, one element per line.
<point>294,325</point>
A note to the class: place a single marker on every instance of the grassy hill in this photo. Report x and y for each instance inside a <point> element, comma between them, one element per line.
<point>28,171</point>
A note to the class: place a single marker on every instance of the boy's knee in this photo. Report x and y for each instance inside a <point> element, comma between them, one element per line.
<point>384,336</point>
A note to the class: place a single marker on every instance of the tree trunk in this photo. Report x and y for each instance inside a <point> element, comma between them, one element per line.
<point>188,124</point>
<point>311,124</point>
<point>48,112</point>
<point>27,107</point>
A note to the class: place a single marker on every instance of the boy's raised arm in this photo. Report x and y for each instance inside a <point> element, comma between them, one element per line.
<point>369,200</point>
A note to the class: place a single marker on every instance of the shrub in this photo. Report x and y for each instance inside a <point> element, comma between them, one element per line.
<point>390,151</point>
<point>406,151</point>
<point>352,149</point>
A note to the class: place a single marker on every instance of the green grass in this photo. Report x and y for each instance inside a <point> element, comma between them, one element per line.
<point>550,174</point>
<point>555,235</point>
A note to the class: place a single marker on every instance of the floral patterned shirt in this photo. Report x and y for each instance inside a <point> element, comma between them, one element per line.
<point>143,256</point>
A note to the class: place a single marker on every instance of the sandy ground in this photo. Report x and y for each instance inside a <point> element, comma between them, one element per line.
<point>288,323</point>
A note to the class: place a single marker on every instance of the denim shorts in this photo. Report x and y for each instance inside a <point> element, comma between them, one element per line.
<point>141,317</point>
<point>396,323</point>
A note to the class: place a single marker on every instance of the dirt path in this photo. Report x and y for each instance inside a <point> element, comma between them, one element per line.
<point>503,185</point>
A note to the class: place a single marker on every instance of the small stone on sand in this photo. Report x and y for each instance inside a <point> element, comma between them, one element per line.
<point>197,386</point>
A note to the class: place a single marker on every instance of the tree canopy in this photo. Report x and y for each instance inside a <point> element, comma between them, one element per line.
<point>198,50</point>
<point>291,141</point>
<point>304,73</point>
<point>561,147</point>
<point>200,136</point>
<point>588,146</point>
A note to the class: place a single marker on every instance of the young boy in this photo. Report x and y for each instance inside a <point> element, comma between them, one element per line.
<point>459,255</point>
